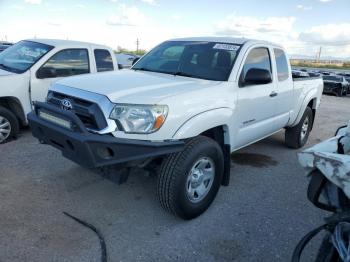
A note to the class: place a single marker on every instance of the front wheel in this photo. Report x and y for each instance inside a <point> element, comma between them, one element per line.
<point>9,125</point>
<point>297,136</point>
<point>340,92</point>
<point>189,180</point>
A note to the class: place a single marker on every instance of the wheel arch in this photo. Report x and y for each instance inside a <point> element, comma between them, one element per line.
<point>213,124</point>
<point>311,101</point>
<point>14,105</point>
<point>219,135</point>
<point>313,105</point>
<point>205,121</point>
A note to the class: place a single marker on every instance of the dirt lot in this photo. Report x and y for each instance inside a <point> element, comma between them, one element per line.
<point>259,217</point>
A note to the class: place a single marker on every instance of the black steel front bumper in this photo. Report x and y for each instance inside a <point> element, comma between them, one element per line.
<point>88,149</point>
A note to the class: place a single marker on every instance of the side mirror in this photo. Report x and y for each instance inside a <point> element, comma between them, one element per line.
<point>120,66</point>
<point>46,72</point>
<point>135,60</point>
<point>257,76</point>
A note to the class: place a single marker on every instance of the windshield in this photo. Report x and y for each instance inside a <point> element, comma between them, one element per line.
<point>204,60</point>
<point>333,78</point>
<point>23,55</point>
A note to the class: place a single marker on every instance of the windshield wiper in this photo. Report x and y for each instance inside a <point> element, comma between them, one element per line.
<point>184,74</point>
<point>190,75</point>
<point>7,68</point>
<point>178,73</point>
<point>142,69</point>
<point>150,70</point>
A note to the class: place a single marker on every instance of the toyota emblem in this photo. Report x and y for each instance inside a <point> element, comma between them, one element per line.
<point>66,104</point>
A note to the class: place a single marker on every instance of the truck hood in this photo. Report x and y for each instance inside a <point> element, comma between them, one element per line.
<point>128,86</point>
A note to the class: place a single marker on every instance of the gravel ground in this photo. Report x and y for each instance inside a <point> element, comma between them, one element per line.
<point>260,216</point>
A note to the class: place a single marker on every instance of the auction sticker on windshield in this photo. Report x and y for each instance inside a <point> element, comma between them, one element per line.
<point>226,47</point>
<point>32,53</point>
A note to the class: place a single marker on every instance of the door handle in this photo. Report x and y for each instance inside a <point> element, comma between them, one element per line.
<point>273,94</point>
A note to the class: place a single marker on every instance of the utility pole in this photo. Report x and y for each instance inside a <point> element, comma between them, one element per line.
<point>319,54</point>
<point>137,45</point>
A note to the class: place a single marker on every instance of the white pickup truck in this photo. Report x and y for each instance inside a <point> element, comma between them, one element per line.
<point>29,67</point>
<point>183,107</point>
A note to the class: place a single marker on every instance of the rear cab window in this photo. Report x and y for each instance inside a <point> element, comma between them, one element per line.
<point>282,65</point>
<point>104,61</point>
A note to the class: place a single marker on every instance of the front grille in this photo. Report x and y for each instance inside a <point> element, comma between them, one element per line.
<point>88,112</point>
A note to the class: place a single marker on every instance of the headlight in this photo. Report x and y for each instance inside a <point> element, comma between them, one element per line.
<point>139,119</point>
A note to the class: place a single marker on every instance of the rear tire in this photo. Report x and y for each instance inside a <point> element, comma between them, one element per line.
<point>9,125</point>
<point>189,180</point>
<point>297,136</point>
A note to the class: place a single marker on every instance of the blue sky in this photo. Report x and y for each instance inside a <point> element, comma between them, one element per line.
<point>301,26</point>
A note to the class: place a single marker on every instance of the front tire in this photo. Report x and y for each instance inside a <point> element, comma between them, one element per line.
<point>189,180</point>
<point>297,136</point>
<point>9,125</point>
<point>340,92</point>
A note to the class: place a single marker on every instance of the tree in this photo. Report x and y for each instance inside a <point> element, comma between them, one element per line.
<point>127,51</point>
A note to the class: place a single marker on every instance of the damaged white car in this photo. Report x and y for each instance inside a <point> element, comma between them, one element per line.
<point>328,166</point>
<point>332,158</point>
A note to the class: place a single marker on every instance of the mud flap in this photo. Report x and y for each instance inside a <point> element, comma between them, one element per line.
<point>227,165</point>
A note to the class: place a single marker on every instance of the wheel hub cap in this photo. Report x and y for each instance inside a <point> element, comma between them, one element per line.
<point>304,128</point>
<point>200,179</point>
<point>5,129</point>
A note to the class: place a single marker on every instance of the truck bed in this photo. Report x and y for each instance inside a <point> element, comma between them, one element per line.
<point>305,78</point>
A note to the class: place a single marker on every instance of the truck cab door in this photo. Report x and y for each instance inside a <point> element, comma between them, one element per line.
<point>255,99</point>
<point>64,63</point>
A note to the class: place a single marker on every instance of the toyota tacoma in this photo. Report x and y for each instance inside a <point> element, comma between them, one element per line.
<point>182,109</point>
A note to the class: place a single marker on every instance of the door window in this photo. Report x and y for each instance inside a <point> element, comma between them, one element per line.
<point>258,58</point>
<point>68,62</point>
<point>104,60</point>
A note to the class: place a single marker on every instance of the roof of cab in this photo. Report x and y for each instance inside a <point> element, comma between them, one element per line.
<point>60,42</point>
<point>229,40</point>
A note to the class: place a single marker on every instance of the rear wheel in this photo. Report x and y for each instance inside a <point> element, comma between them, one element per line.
<point>189,180</point>
<point>345,91</point>
<point>9,125</point>
<point>297,136</point>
